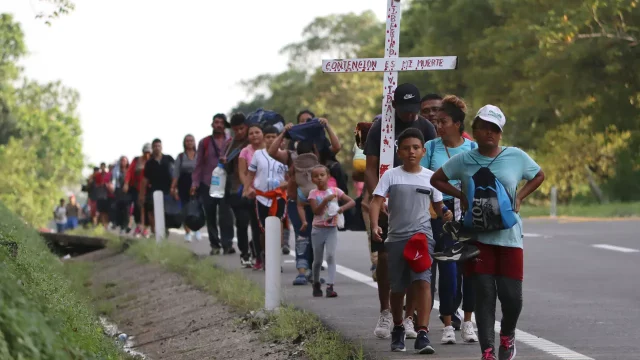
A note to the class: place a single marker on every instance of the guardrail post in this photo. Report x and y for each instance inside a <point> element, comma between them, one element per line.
<point>273,228</point>
<point>158,214</point>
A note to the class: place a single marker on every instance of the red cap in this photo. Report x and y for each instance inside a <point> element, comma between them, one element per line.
<point>416,253</point>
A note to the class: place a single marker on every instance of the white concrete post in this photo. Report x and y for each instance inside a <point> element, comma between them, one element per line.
<point>273,228</point>
<point>554,202</point>
<point>158,214</point>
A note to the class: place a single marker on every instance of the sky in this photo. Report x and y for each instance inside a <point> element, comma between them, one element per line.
<point>150,69</point>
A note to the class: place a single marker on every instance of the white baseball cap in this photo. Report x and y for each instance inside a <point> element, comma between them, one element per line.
<point>492,114</point>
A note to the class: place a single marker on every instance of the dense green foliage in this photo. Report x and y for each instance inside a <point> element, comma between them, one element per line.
<point>40,134</point>
<point>565,74</point>
<point>43,315</point>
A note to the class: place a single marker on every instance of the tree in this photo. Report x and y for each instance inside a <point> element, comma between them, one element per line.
<point>40,136</point>
<point>56,9</point>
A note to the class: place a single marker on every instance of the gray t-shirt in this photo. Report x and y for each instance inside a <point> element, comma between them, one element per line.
<point>183,165</point>
<point>408,209</point>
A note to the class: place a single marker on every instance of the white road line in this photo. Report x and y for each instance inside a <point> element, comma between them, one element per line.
<point>615,248</point>
<point>524,337</point>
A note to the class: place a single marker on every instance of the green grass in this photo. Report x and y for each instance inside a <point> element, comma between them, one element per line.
<point>610,210</point>
<point>289,324</point>
<point>44,312</point>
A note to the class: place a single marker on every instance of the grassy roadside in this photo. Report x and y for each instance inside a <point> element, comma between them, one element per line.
<point>43,312</point>
<point>610,210</point>
<point>288,325</point>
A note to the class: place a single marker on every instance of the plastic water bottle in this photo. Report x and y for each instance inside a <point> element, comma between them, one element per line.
<point>218,182</point>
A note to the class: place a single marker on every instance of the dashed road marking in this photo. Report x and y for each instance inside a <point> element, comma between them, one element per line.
<point>615,248</point>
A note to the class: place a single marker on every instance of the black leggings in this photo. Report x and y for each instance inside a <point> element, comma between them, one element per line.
<point>465,294</point>
<point>509,291</point>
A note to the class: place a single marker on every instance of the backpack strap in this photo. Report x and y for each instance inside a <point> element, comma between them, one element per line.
<point>432,149</point>
<point>494,159</point>
<point>473,145</point>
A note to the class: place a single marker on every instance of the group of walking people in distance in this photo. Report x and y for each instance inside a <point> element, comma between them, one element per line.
<point>447,206</point>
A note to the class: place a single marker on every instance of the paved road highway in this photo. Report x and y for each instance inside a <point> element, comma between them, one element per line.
<point>581,297</point>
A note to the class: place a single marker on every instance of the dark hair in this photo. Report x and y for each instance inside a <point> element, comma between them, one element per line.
<point>256,125</point>
<point>304,147</point>
<point>238,119</point>
<point>320,166</point>
<point>270,130</point>
<point>430,97</point>
<point>155,141</point>
<point>305,111</point>
<point>103,164</point>
<point>456,108</point>
<point>95,168</point>
<point>184,142</point>
<point>410,133</point>
<point>220,116</point>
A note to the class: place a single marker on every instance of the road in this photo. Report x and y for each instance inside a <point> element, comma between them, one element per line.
<point>581,296</point>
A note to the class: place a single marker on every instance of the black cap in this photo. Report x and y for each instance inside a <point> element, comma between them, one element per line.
<point>407,98</point>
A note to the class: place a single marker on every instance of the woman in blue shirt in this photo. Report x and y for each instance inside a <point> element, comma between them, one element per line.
<point>498,270</point>
<point>450,125</point>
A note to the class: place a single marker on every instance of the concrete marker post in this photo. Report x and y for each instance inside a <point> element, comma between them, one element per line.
<point>158,214</point>
<point>273,288</point>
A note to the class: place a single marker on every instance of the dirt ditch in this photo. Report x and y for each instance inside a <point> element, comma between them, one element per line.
<point>166,318</point>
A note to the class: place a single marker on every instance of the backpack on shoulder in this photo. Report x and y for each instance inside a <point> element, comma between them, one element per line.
<point>490,205</point>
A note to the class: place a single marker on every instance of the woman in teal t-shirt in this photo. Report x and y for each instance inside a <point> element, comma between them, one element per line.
<point>450,125</point>
<point>498,270</point>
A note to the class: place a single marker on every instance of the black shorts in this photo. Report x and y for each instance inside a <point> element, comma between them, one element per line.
<point>263,212</point>
<point>104,206</point>
<point>383,222</point>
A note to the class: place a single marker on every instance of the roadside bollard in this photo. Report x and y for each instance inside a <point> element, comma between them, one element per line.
<point>273,229</point>
<point>158,214</point>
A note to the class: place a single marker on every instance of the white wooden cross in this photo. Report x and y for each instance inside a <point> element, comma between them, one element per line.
<point>390,65</point>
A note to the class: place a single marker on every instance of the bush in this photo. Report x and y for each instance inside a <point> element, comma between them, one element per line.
<point>43,314</point>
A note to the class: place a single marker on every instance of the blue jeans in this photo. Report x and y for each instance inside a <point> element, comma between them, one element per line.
<point>72,222</point>
<point>60,227</point>
<point>304,250</point>
<point>447,284</point>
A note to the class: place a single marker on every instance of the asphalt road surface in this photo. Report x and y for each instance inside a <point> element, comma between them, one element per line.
<point>581,294</point>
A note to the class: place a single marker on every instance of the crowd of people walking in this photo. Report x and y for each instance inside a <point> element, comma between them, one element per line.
<point>442,220</point>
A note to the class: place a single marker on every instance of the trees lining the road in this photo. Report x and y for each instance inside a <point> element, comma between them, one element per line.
<point>565,74</point>
<point>40,140</point>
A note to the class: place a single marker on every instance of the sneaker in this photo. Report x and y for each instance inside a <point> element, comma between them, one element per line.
<point>187,237</point>
<point>317,290</point>
<point>146,233</point>
<point>409,329</point>
<point>507,349</point>
<point>246,262</point>
<point>422,344</point>
<point>330,292</point>
<point>137,232</point>
<point>383,327</point>
<point>455,321</point>
<point>300,280</point>
<point>198,235</point>
<point>374,276</point>
<point>229,251</point>
<point>468,332</point>
<point>457,231</point>
<point>448,335</point>
<point>286,250</point>
<point>397,338</point>
<point>258,265</point>
<point>488,354</point>
<point>458,252</point>
<point>215,251</point>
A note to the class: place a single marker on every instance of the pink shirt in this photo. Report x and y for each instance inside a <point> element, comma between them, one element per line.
<point>324,220</point>
<point>247,153</point>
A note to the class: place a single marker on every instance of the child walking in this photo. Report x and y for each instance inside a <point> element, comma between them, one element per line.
<point>409,244</point>
<point>324,235</point>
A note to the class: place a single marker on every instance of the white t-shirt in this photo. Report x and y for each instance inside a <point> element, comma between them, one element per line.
<point>269,174</point>
<point>408,208</point>
<point>60,214</point>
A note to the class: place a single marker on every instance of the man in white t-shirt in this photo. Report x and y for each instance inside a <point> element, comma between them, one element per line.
<point>60,216</point>
<point>268,177</point>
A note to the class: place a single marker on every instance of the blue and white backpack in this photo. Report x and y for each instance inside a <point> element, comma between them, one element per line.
<point>490,205</point>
